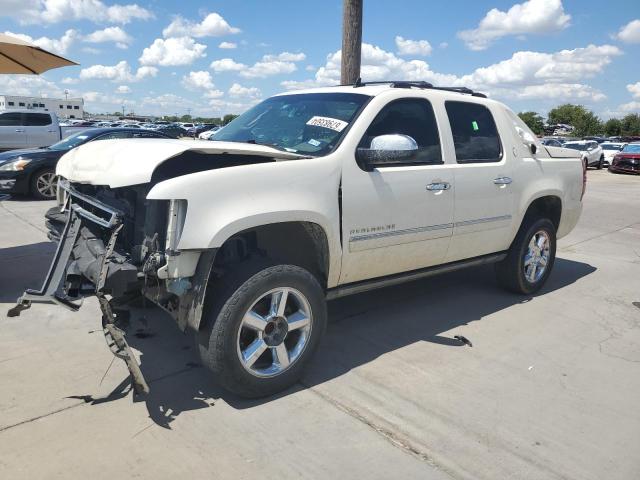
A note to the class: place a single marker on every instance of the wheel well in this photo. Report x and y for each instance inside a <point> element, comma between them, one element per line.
<point>548,207</point>
<point>35,173</point>
<point>303,244</point>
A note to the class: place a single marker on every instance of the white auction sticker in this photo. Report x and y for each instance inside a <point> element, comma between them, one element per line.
<point>327,122</point>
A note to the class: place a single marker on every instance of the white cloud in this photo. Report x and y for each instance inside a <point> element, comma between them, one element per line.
<point>54,11</point>
<point>59,46</point>
<point>405,46</point>
<point>121,72</point>
<point>526,75</point>
<point>213,25</point>
<point>91,50</point>
<point>110,34</point>
<point>285,57</point>
<point>29,85</point>
<point>630,33</point>
<point>238,90</point>
<point>530,17</point>
<point>69,81</point>
<point>227,65</point>
<point>200,80</point>
<point>634,89</point>
<point>228,45</point>
<point>443,45</point>
<point>172,51</point>
<point>123,89</point>
<point>631,107</point>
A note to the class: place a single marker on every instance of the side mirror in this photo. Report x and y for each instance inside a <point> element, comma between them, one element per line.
<point>387,150</point>
<point>528,140</point>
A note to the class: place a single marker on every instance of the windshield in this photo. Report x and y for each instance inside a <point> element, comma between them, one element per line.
<point>308,123</point>
<point>635,148</point>
<point>611,147</point>
<point>71,141</point>
<point>577,146</point>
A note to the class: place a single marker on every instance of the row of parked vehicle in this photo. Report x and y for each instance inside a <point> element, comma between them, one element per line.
<point>171,129</point>
<point>619,156</point>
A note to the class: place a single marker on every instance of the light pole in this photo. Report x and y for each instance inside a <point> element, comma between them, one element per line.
<point>351,41</point>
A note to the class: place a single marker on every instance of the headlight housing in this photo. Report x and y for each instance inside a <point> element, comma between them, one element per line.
<point>15,165</point>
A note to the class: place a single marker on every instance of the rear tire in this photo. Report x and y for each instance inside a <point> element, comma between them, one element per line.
<point>527,266</point>
<point>255,344</point>
<point>601,162</point>
<point>43,184</point>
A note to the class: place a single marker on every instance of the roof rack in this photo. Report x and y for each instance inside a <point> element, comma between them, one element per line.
<point>418,84</point>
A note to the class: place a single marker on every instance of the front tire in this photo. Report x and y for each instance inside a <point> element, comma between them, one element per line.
<point>530,258</point>
<point>44,184</point>
<point>264,324</point>
<point>600,162</point>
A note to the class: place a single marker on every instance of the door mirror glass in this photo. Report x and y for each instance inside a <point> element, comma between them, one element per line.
<point>386,151</point>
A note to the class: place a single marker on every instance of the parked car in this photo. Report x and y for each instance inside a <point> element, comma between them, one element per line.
<point>591,153</point>
<point>307,196</point>
<point>32,171</point>
<point>29,129</point>
<point>627,160</point>
<point>552,142</point>
<point>207,134</point>
<point>609,149</point>
<point>173,130</point>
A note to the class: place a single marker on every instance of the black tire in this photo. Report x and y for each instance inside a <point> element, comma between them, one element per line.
<point>510,272</point>
<point>586,164</point>
<point>36,186</point>
<point>231,298</point>
<point>600,162</point>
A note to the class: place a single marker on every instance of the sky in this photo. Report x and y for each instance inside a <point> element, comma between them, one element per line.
<point>210,58</point>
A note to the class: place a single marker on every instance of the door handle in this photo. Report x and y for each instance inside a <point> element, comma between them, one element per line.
<point>50,131</point>
<point>436,186</point>
<point>502,180</point>
<point>19,130</point>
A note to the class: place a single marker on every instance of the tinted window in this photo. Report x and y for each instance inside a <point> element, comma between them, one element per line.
<point>475,135</point>
<point>143,134</point>
<point>413,117</point>
<point>10,119</point>
<point>36,119</point>
<point>112,135</point>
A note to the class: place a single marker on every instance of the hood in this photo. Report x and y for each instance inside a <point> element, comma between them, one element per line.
<point>561,152</point>
<point>25,153</point>
<point>122,162</point>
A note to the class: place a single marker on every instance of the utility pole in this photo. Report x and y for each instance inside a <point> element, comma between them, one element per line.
<point>351,41</point>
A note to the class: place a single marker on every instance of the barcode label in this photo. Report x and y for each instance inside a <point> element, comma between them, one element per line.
<point>327,122</point>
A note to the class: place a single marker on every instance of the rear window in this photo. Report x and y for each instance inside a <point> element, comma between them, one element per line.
<point>475,135</point>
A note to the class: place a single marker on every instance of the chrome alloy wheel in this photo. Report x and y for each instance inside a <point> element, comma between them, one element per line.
<point>46,184</point>
<point>274,332</point>
<point>536,258</point>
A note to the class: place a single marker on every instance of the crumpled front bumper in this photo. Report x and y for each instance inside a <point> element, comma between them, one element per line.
<point>86,263</point>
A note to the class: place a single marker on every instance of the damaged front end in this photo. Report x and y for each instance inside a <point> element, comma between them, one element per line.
<point>109,245</point>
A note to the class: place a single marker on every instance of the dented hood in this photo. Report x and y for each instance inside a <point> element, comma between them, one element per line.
<point>122,162</point>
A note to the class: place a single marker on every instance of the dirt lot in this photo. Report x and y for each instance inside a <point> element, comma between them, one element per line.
<point>550,388</point>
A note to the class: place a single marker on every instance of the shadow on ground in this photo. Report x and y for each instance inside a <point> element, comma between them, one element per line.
<point>361,329</point>
<point>23,267</point>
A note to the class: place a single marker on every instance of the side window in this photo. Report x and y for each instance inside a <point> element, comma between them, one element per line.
<point>36,119</point>
<point>413,117</point>
<point>475,135</point>
<point>113,135</point>
<point>11,119</point>
<point>142,134</point>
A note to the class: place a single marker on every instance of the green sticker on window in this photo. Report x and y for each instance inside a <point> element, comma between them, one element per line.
<point>474,124</point>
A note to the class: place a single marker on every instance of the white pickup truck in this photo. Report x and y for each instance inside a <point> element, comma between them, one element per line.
<point>308,196</point>
<point>31,129</point>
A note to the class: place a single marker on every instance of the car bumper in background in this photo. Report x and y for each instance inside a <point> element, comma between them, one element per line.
<point>625,165</point>
<point>14,182</point>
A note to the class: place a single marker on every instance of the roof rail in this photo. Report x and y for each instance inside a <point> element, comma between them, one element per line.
<point>418,84</point>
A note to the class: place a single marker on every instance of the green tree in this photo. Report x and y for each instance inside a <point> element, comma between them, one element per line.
<point>584,121</point>
<point>613,127</point>
<point>228,117</point>
<point>533,121</point>
<point>631,124</point>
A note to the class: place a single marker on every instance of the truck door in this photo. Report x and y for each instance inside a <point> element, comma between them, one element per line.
<point>40,129</point>
<point>483,176</point>
<point>12,133</point>
<point>397,218</point>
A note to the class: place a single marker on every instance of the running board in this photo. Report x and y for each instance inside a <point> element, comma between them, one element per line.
<point>397,279</point>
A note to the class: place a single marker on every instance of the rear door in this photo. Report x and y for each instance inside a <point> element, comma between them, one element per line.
<point>397,218</point>
<point>12,132</point>
<point>483,176</point>
<point>40,130</point>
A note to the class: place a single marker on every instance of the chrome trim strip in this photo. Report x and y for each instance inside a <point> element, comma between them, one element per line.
<point>482,220</point>
<point>406,231</point>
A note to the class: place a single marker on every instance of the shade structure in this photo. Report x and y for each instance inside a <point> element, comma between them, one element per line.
<point>18,56</point>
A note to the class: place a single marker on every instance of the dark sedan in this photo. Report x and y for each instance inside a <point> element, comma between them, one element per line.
<point>32,171</point>
<point>627,160</point>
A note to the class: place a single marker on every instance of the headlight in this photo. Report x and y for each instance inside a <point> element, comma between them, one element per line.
<point>15,165</point>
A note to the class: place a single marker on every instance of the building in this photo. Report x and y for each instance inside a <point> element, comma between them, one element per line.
<point>63,107</point>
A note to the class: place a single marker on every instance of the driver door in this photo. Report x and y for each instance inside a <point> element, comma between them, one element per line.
<point>398,218</point>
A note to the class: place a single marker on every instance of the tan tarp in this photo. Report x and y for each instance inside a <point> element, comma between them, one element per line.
<point>18,56</point>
